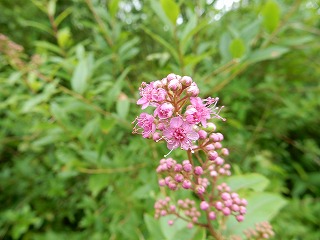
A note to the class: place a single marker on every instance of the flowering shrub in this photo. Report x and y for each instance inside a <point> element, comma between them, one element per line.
<point>184,120</point>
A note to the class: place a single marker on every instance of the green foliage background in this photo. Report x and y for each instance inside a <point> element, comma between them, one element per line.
<point>70,167</point>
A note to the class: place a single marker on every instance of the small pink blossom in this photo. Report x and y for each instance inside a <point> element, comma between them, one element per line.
<point>197,112</point>
<point>179,134</point>
<point>164,111</point>
<point>150,95</point>
<point>146,123</point>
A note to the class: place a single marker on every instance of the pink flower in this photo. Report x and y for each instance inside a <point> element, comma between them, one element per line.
<point>179,134</point>
<point>164,111</point>
<point>146,122</point>
<point>197,112</point>
<point>150,95</point>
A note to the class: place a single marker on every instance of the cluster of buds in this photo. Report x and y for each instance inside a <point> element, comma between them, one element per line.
<point>263,230</point>
<point>184,209</point>
<point>181,175</point>
<point>183,120</point>
<point>230,203</point>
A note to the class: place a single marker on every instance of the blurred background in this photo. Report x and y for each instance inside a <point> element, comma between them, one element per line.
<point>69,76</point>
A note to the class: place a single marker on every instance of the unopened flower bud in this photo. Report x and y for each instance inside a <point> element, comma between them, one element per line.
<point>219,205</point>
<point>200,189</point>
<point>178,177</point>
<point>212,155</point>
<point>225,151</point>
<point>202,134</point>
<point>214,137</point>
<point>212,216</point>
<point>240,218</point>
<point>193,90</point>
<point>219,161</point>
<point>187,167</point>
<point>186,80</point>
<point>157,84</point>
<point>171,76</point>
<point>198,170</point>
<point>174,85</point>
<point>204,205</point>
<point>226,211</point>
<point>156,136</point>
<point>211,127</point>
<point>210,147</point>
<point>190,225</point>
<point>186,184</point>
<point>162,182</point>
<point>164,82</point>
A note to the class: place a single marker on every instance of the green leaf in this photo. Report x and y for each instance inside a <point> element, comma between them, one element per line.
<point>48,46</point>
<point>123,106</point>
<point>38,25</point>
<point>171,9</point>
<point>62,16</point>
<point>187,34</point>
<point>237,48</point>
<point>271,15</point>
<point>163,42</point>
<point>114,92</point>
<point>261,207</point>
<point>82,72</point>
<point>52,7</point>
<point>113,7</point>
<point>272,52</point>
<point>158,10</point>
<point>254,181</point>
<point>107,124</point>
<point>153,227</point>
<point>224,45</point>
<point>97,183</point>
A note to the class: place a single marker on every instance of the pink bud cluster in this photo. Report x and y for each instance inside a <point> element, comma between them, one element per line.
<point>185,208</point>
<point>181,175</point>
<point>230,203</point>
<point>263,230</point>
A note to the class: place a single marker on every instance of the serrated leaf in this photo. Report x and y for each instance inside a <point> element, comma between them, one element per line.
<point>254,181</point>
<point>237,48</point>
<point>267,53</point>
<point>271,15</point>
<point>171,9</point>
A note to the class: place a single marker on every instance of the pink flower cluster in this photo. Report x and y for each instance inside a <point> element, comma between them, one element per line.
<point>183,120</point>
<point>178,111</point>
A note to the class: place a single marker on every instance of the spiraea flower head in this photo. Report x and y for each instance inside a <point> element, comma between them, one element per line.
<point>182,119</point>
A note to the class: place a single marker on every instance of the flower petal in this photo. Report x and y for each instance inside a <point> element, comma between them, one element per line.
<point>176,122</point>
<point>192,135</point>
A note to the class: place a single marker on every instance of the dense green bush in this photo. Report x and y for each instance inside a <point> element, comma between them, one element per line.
<point>69,74</point>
